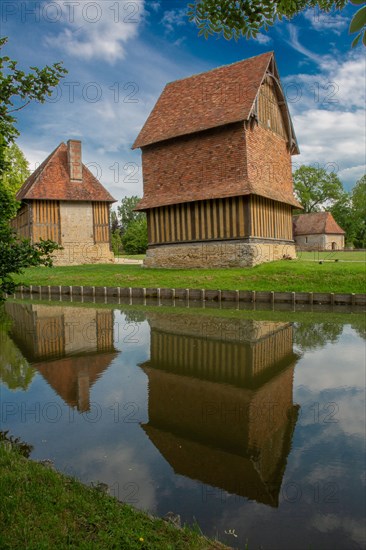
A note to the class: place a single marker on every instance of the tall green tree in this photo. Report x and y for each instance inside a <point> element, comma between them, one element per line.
<point>317,189</point>
<point>133,226</point>
<point>342,212</point>
<point>359,212</point>
<point>234,19</point>
<point>17,168</point>
<point>17,90</point>
<point>126,212</point>
<point>135,238</point>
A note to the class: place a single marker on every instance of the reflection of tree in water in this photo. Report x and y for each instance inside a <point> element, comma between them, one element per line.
<point>134,316</point>
<point>358,323</point>
<point>310,336</point>
<point>15,370</point>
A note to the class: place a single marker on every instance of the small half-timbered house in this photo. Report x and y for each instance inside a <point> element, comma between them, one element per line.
<point>63,201</point>
<point>216,159</point>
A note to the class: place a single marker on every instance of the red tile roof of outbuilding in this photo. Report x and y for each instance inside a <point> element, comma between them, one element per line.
<point>51,181</point>
<point>316,223</point>
<point>207,100</point>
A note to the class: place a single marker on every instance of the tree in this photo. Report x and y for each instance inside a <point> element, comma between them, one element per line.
<point>126,212</point>
<point>342,212</point>
<point>359,212</point>
<point>17,254</point>
<point>17,90</point>
<point>233,19</point>
<point>316,189</point>
<point>135,238</point>
<point>116,242</point>
<point>115,226</point>
<point>17,170</point>
<point>358,23</point>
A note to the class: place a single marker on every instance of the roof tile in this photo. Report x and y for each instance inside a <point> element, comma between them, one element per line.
<point>207,100</point>
<point>51,181</point>
<point>316,223</point>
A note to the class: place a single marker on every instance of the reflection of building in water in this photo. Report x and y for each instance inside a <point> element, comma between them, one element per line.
<point>70,346</point>
<point>220,401</point>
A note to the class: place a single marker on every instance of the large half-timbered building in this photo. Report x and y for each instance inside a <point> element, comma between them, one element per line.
<point>216,158</point>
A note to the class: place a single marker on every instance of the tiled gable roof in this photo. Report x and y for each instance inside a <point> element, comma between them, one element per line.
<point>316,223</point>
<point>51,181</point>
<point>207,100</point>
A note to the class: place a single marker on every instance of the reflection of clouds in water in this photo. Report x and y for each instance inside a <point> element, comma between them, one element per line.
<point>336,365</point>
<point>342,410</point>
<point>128,477</point>
<point>330,522</point>
<point>130,334</point>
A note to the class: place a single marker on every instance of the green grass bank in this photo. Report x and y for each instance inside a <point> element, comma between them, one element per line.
<point>299,275</point>
<point>41,509</point>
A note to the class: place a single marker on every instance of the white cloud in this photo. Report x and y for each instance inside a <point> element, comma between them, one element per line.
<point>155,5</point>
<point>107,127</point>
<point>174,18</point>
<point>97,30</point>
<point>263,38</point>
<point>352,174</point>
<point>327,108</point>
<point>325,22</point>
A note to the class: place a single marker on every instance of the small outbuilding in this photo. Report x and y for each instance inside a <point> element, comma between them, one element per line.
<point>216,159</point>
<point>318,231</point>
<point>64,202</point>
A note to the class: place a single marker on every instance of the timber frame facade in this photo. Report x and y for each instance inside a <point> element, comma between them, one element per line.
<point>219,219</point>
<point>216,158</point>
<point>63,202</point>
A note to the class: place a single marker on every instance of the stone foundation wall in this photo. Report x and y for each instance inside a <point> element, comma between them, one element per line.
<point>79,253</point>
<point>218,254</point>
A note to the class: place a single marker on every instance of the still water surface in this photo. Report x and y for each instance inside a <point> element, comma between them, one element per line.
<point>251,425</point>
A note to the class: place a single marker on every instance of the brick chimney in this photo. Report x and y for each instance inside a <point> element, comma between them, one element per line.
<point>74,160</point>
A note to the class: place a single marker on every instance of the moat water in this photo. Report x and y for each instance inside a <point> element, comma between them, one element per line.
<point>249,424</point>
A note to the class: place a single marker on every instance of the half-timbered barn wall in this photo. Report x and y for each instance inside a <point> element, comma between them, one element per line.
<point>21,223</point>
<point>219,219</point>
<point>101,222</point>
<point>270,219</point>
<point>46,221</point>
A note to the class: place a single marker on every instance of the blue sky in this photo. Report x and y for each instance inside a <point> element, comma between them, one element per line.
<point>121,53</point>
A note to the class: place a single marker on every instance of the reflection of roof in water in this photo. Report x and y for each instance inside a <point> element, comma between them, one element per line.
<point>225,470</point>
<point>73,377</point>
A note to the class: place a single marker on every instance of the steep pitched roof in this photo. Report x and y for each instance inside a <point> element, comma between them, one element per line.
<point>208,100</point>
<point>51,181</point>
<point>316,223</point>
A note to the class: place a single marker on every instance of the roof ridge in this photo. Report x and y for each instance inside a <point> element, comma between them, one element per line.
<point>219,67</point>
<point>51,181</point>
<point>33,177</point>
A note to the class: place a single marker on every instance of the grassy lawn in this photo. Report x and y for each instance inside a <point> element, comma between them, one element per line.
<point>291,275</point>
<point>332,255</point>
<point>40,508</point>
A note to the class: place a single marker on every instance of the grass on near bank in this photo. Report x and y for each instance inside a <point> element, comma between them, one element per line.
<point>43,509</point>
<point>285,275</point>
